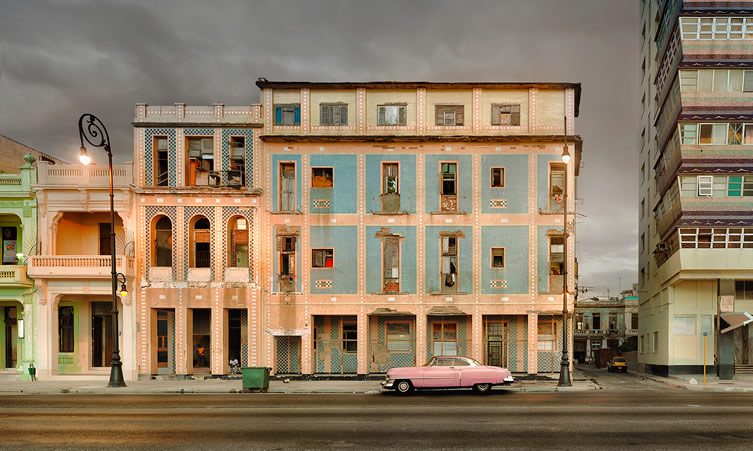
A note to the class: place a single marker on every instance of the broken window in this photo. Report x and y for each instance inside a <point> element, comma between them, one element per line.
<point>613,321</point>
<point>238,242</point>
<point>288,114</point>
<point>449,264</point>
<point>333,114</point>
<point>449,178</point>
<point>390,178</point>
<point>201,239</point>
<point>286,246</point>
<point>498,178</point>
<point>444,338</point>
<point>237,173</point>
<point>200,161</point>
<point>556,262</point>
<point>556,186</point>
<point>322,177</point>
<point>322,258</point>
<point>392,114</point>
<point>391,264</point>
<point>498,257</point>
<point>505,114</point>
<point>287,187</point>
<point>350,336</point>
<point>398,337</point>
<point>163,243</point>
<point>449,114</point>
<point>161,170</point>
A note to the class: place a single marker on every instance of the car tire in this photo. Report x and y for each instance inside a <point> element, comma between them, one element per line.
<point>482,388</point>
<point>403,387</point>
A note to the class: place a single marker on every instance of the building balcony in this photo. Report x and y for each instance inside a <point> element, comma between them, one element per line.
<point>14,183</point>
<point>78,266</point>
<point>91,176</point>
<point>11,275</point>
<point>180,112</point>
<point>631,332</point>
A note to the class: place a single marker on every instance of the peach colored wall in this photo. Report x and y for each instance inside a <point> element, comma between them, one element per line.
<point>78,233</point>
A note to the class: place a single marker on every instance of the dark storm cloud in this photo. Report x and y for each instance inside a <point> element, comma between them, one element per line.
<point>61,58</point>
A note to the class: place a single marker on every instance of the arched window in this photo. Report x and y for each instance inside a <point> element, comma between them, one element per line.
<point>237,251</point>
<point>200,239</point>
<point>162,247</point>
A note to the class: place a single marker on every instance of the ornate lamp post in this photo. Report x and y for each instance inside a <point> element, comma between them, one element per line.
<point>91,129</point>
<point>564,380</point>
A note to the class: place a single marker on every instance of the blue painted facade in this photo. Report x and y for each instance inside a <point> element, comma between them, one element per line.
<point>542,180</point>
<point>515,190</point>
<point>342,240</point>
<point>433,168</point>
<point>542,259</point>
<point>514,240</point>
<point>433,260</point>
<point>342,195</point>
<point>274,199</point>
<point>407,180</point>
<point>407,258</point>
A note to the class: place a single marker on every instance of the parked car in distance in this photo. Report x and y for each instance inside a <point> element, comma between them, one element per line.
<point>447,372</point>
<point>617,364</point>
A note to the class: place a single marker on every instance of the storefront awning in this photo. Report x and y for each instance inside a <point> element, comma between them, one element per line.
<point>445,311</point>
<point>735,320</point>
<point>389,312</point>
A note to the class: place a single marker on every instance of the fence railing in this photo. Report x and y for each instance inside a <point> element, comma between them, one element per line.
<point>80,175</point>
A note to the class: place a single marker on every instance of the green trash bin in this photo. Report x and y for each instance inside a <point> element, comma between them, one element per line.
<point>255,378</point>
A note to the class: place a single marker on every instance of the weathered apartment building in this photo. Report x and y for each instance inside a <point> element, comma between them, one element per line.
<point>696,186</point>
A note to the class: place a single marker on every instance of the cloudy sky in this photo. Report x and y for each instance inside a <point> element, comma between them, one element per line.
<point>61,58</point>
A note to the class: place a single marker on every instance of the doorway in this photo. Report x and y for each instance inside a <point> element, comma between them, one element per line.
<point>234,335</point>
<point>101,334</point>
<point>496,343</point>
<point>165,342</point>
<point>10,348</point>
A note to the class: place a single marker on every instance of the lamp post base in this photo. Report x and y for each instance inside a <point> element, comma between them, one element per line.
<point>116,376</point>
<point>564,380</point>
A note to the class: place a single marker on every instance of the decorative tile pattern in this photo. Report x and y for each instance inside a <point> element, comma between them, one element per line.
<point>150,213</point>
<point>323,283</point>
<point>288,355</point>
<point>322,203</point>
<point>248,134</point>
<point>244,338</point>
<point>189,213</point>
<point>498,203</point>
<point>249,214</point>
<point>328,347</point>
<point>380,359</point>
<point>499,284</point>
<point>149,135</point>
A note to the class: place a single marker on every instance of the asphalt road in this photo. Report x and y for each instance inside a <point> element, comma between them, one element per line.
<point>594,419</point>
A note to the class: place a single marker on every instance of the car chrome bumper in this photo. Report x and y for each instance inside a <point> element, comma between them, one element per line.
<point>388,384</point>
<point>508,380</point>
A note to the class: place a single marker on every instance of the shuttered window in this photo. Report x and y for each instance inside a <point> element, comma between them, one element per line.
<point>449,115</point>
<point>505,114</point>
<point>333,114</point>
<point>748,81</point>
<point>288,114</point>
<point>394,114</point>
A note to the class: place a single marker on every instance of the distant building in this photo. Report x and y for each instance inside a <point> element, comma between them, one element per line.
<point>696,187</point>
<point>12,155</point>
<point>603,323</point>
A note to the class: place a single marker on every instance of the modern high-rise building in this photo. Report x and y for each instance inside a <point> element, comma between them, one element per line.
<point>696,186</point>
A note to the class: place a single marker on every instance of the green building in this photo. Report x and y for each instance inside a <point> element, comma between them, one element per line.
<point>18,235</point>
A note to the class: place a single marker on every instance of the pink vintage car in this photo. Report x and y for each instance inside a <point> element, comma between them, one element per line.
<point>447,372</point>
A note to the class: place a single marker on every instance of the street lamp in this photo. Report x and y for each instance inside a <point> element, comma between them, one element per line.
<point>91,129</point>
<point>564,380</point>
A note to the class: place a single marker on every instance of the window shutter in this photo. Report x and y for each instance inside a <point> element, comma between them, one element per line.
<point>438,115</point>
<point>401,120</point>
<point>297,120</point>
<point>344,115</point>
<point>459,115</point>
<point>324,116</point>
<point>495,114</point>
<point>380,113</point>
<point>515,120</point>
<point>748,81</point>
<point>278,114</point>
<point>279,243</point>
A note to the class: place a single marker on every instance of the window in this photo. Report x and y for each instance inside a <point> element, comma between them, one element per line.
<point>322,258</point>
<point>689,133</point>
<point>643,242</point>
<point>448,114</point>
<point>287,187</point>
<point>656,341</point>
<point>643,344</point>
<point>65,329</point>
<point>161,171</point>
<point>449,179</point>
<point>104,238</point>
<point>595,345</point>
<point>634,321</point>
<point>449,264</point>
<point>556,261</point>
<point>444,338</point>
<point>612,321</point>
<point>643,208</point>
<point>391,264</point>
<point>350,336</point>
<point>287,255</point>
<point>391,114</point>
<point>748,133</point>
<point>333,114</point>
<point>684,325</point>
<point>237,170</point>
<point>200,161</point>
<point>505,114</point>
<point>705,185</point>
<point>748,80</point>
<point>716,28</point>
<point>390,178</point>
<point>735,134</point>
<point>498,257</point>
<point>744,290</point>
<point>399,337</point>
<point>688,80</point>
<point>288,114</point>
<point>596,320</point>
<point>238,242</point>
<point>162,252</point>
<point>322,177</point>
<point>556,186</point>
<point>643,172</point>
<point>713,133</point>
<point>547,336</point>
<point>200,239</point>
<point>579,323</point>
<point>498,178</point>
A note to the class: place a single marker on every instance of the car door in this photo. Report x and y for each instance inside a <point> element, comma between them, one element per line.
<point>440,374</point>
<point>464,373</point>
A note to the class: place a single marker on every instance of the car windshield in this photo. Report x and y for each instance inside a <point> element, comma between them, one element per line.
<point>433,361</point>
<point>619,359</point>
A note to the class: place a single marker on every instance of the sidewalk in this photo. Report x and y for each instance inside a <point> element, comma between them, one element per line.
<point>741,382</point>
<point>98,385</point>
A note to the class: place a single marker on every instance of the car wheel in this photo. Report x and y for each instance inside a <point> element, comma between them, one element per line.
<point>482,388</point>
<point>403,387</point>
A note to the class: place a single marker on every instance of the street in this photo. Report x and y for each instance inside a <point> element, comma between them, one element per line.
<point>594,419</point>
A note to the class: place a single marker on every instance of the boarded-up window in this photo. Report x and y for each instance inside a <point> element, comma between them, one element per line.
<point>498,178</point>
<point>498,257</point>
<point>322,177</point>
<point>391,260</point>
<point>288,114</point>
<point>449,114</point>
<point>398,337</point>
<point>391,114</point>
<point>333,114</point>
<point>506,114</point>
<point>322,258</point>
